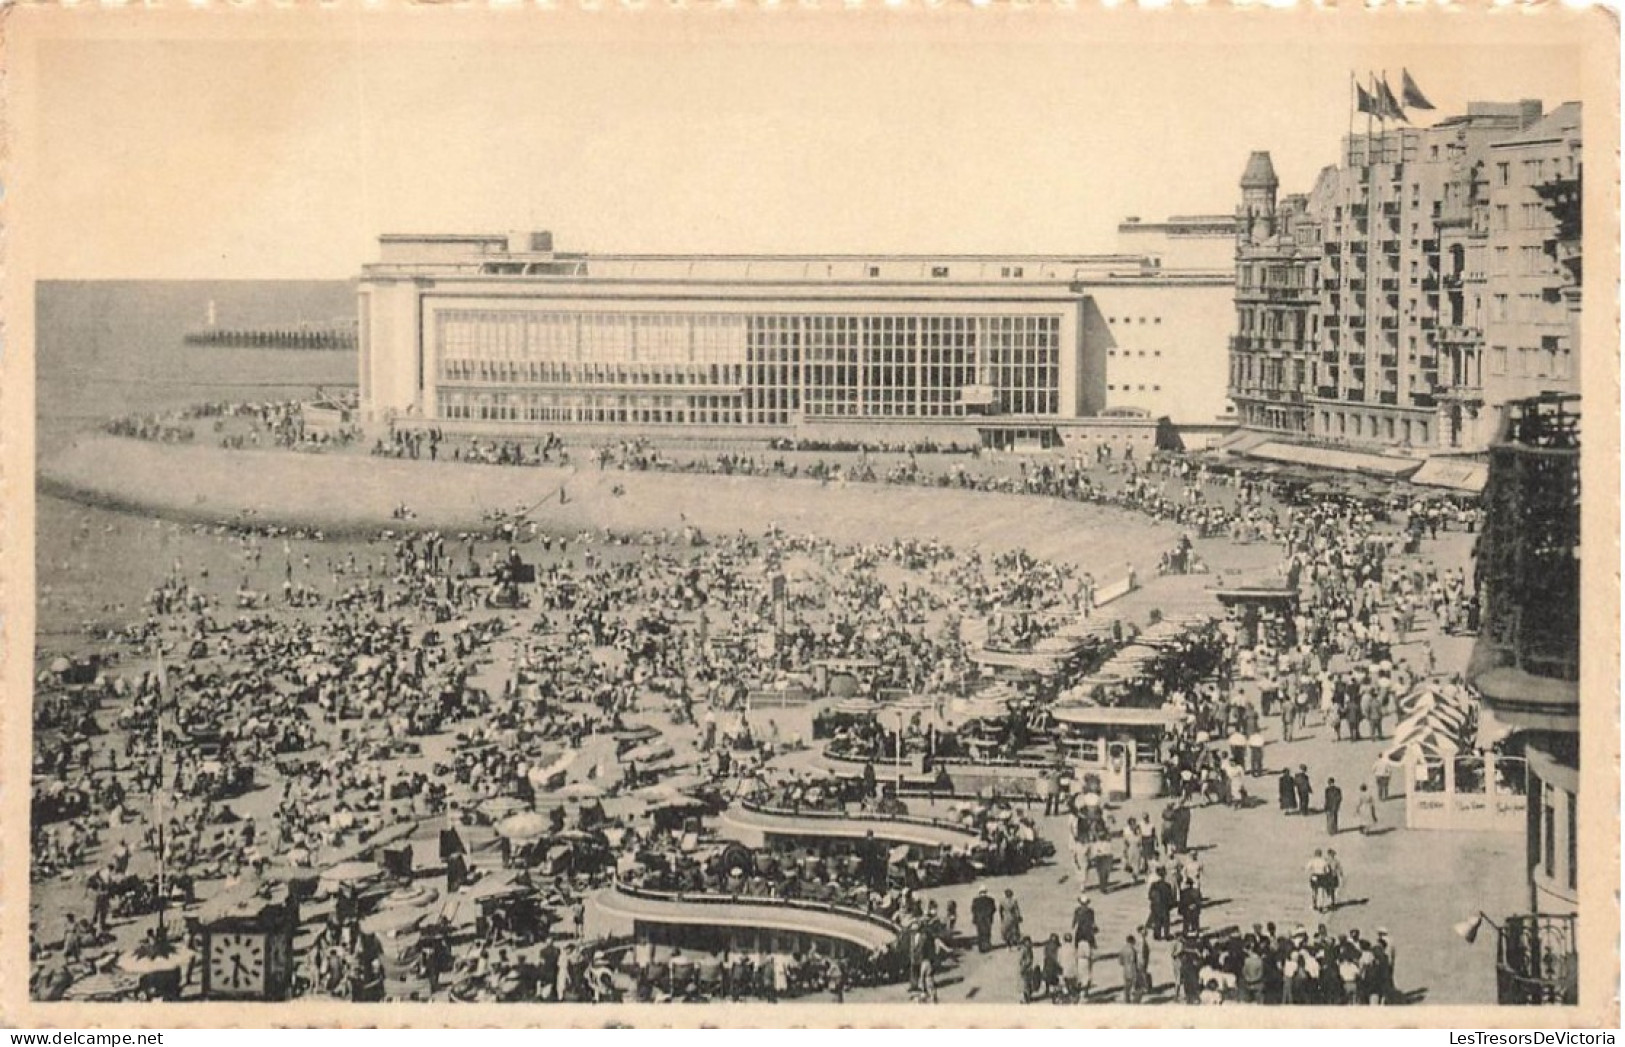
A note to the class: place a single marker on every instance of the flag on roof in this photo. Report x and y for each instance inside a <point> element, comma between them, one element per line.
<point>1411,94</point>
<point>1390,104</point>
<point>1365,103</point>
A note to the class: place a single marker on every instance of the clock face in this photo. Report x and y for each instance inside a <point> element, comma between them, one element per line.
<point>237,962</point>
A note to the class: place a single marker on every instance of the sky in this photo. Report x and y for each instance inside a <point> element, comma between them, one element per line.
<point>282,146</point>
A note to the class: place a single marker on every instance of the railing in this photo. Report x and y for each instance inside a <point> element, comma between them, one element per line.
<point>1536,961</point>
<point>706,898</point>
<point>859,816</point>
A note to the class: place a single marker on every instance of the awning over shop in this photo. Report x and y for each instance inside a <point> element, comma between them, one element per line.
<point>1457,474</point>
<point>1331,458</point>
<point>1240,441</point>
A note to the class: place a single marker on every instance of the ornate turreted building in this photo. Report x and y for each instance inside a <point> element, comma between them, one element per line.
<point>1416,290</point>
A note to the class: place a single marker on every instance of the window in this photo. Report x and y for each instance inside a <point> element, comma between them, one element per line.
<point>874,271</point>
<point>1573,840</point>
<point>938,272</point>
<point>1503,173</point>
<point>1549,834</point>
<point>1498,359</point>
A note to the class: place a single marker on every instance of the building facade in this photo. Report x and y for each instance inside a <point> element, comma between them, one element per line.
<point>1526,667</point>
<point>1431,296</point>
<point>502,333</point>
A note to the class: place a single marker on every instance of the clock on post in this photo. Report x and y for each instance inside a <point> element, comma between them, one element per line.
<point>247,959</point>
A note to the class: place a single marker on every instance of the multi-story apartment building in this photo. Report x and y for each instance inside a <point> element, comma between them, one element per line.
<point>1432,277</point>
<point>1273,354</point>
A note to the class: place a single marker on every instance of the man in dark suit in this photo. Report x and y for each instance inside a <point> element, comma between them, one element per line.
<point>1304,789</point>
<point>982,910</point>
<point>1334,803</point>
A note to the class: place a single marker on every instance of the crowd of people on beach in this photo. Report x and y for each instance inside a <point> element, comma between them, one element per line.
<point>383,690</point>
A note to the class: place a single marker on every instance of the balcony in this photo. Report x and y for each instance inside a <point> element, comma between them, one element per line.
<point>1389,398</point>
<point>1537,960</point>
<point>1462,393</point>
<point>1457,335</point>
<point>1430,246</point>
<point>1326,392</point>
<point>1452,280</point>
<point>1389,361</point>
<point>1390,284</point>
<point>1430,284</point>
<point>1354,396</point>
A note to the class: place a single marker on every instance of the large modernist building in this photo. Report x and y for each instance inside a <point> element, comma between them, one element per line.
<point>502,333</point>
<point>1420,285</point>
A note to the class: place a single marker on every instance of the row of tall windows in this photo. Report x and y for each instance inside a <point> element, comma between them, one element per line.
<point>780,366</point>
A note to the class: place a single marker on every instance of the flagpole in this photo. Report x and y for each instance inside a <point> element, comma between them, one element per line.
<point>1354,103</point>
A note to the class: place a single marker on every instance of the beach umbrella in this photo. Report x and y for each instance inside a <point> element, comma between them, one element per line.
<point>350,872</point>
<point>60,665</point>
<point>498,807</point>
<point>393,919</point>
<point>497,885</point>
<point>580,791</point>
<point>131,963</point>
<point>647,753</point>
<point>526,825</point>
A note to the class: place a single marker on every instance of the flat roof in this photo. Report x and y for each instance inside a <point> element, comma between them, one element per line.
<point>744,913</point>
<point>844,828</point>
<point>1115,716</point>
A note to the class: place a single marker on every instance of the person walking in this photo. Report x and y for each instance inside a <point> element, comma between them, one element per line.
<point>1026,970</point>
<point>1010,918</point>
<point>1053,986</point>
<point>1255,753</point>
<point>1083,939</point>
<point>1333,803</point>
<point>1383,772</point>
<point>1334,878</point>
<point>1365,811</point>
<point>1287,786</point>
<point>982,910</point>
<point>1301,786</point>
<point>1317,870</point>
<point>1161,899</point>
<point>1129,959</point>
